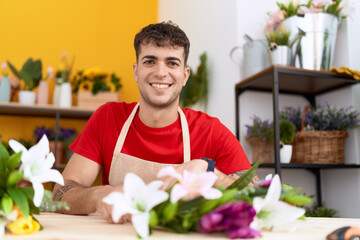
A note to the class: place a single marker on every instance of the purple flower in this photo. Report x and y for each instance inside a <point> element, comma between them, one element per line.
<point>263,183</point>
<point>233,218</point>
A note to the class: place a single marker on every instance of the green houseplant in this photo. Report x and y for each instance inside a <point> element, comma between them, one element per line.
<point>31,74</point>
<point>196,86</point>
<point>287,133</point>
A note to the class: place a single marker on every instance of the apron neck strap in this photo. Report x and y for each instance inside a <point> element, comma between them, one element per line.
<point>184,130</point>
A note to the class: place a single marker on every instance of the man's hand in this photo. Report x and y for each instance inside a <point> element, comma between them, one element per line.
<point>196,165</point>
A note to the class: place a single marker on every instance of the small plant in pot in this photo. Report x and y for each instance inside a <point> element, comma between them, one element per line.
<point>260,136</point>
<point>287,133</point>
<point>30,74</point>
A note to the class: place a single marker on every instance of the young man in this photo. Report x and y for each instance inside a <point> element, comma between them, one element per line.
<point>146,136</point>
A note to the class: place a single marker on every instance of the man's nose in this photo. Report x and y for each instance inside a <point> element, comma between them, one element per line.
<point>161,70</point>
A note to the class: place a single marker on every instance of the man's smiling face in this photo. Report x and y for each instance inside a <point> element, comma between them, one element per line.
<point>160,74</point>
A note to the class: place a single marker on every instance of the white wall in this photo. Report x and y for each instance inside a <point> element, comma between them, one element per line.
<point>216,26</point>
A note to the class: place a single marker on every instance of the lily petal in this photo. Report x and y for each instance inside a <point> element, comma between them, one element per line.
<point>177,192</point>
<point>141,224</point>
<point>133,185</point>
<point>50,175</point>
<point>274,190</point>
<point>211,193</point>
<point>38,193</point>
<point>169,171</point>
<point>16,146</point>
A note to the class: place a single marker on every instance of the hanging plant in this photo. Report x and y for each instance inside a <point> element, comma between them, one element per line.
<point>196,86</point>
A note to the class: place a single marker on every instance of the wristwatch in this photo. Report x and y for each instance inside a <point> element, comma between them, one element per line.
<point>211,164</point>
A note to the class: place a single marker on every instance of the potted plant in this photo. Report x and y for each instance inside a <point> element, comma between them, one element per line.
<point>65,138</point>
<point>279,46</point>
<point>319,21</point>
<point>260,136</point>
<point>287,132</point>
<point>195,89</point>
<point>31,74</point>
<point>95,87</point>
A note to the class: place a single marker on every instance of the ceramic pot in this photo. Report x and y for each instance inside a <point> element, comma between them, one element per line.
<point>5,89</point>
<point>27,97</point>
<point>286,153</point>
<point>56,95</point>
<point>43,93</point>
<point>65,99</point>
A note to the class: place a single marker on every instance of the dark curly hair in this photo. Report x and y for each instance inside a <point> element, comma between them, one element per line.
<point>162,34</point>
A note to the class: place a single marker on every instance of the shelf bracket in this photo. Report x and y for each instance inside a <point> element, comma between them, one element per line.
<point>316,172</point>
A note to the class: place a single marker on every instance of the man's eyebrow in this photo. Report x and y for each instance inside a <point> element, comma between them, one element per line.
<point>149,56</point>
<point>173,58</point>
<point>167,59</point>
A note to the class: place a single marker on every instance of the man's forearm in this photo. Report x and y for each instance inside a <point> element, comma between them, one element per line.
<point>82,200</point>
<point>226,180</point>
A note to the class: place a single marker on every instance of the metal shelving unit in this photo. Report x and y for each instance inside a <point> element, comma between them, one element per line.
<point>47,111</point>
<point>296,81</point>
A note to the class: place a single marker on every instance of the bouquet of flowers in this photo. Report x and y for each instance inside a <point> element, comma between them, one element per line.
<point>263,130</point>
<point>328,118</point>
<point>64,134</point>
<point>192,204</point>
<point>295,7</point>
<point>95,80</point>
<point>293,115</point>
<point>21,191</point>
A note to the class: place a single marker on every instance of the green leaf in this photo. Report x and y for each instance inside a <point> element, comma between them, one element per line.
<point>246,178</point>
<point>4,158</point>
<point>14,177</point>
<point>15,160</point>
<point>14,70</point>
<point>154,220</point>
<point>207,205</point>
<point>170,211</point>
<point>20,199</point>
<point>6,204</point>
<point>298,200</point>
<point>27,78</point>
<point>227,196</point>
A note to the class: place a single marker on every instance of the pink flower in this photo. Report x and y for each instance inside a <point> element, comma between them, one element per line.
<point>234,218</point>
<point>191,184</point>
<point>275,19</point>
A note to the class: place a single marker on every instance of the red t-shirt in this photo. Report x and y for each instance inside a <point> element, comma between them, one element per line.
<point>208,138</point>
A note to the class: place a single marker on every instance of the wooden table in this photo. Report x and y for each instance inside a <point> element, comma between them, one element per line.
<point>69,227</point>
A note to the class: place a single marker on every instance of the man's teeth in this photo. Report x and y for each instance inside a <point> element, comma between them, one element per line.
<point>156,85</point>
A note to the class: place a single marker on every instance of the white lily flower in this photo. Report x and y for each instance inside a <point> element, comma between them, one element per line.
<point>138,199</point>
<point>272,213</point>
<point>36,166</point>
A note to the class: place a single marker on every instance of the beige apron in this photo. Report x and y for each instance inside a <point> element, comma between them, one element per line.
<point>147,170</point>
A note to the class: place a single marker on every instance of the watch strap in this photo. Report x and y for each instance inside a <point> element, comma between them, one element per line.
<point>211,164</point>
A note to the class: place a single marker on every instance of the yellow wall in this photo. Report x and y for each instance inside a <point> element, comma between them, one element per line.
<point>99,33</point>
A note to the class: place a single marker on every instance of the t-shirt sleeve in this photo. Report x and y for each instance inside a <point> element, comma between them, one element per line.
<point>229,156</point>
<point>87,144</point>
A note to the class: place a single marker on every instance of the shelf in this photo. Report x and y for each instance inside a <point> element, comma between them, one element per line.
<point>310,166</point>
<point>17,109</point>
<point>295,81</point>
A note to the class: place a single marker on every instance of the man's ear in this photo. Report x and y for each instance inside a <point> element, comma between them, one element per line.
<point>186,75</point>
<point>135,71</point>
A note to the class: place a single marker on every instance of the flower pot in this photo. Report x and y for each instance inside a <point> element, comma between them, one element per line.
<point>57,89</point>
<point>43,93</point>
<point>286,153</point>
<point>65,98</point>
<point>27,97</point>
<point>59,157</point>
<point>261,150</point>
<point>315,50</point>
<point>280,56</point>
<point>5,89</point>
<point>89,100</point>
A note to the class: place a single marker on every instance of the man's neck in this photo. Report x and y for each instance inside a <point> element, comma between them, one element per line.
<point>158,117</point>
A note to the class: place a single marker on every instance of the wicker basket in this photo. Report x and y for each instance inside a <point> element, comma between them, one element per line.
<point>321,147</point>
<point>261,150</point>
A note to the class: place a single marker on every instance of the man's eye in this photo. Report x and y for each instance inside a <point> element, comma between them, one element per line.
<point>149,62</point>
<point>173,64</point>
